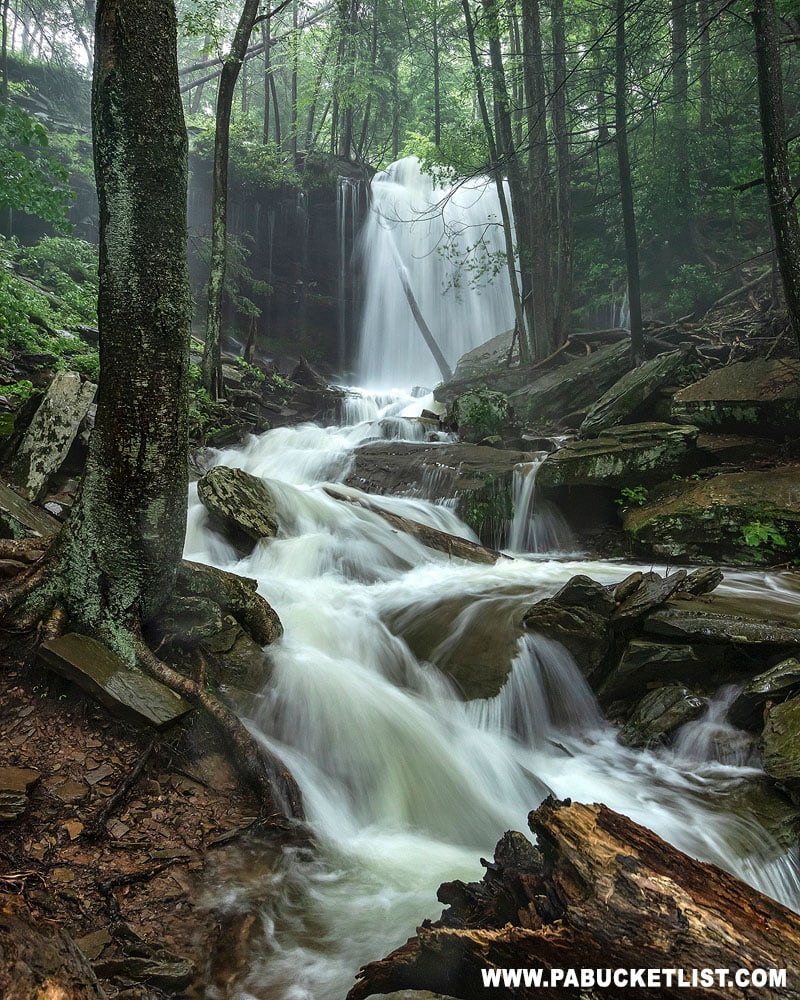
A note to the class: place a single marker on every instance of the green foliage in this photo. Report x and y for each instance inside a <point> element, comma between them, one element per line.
<point>632,496</point>
<point>762,536</point>
<point>253,375</point>
<point>694,289</point>
<point>17,392</point>
<point>461,152</point>
<point>31,179</point>
<point>483,411</point>
<point>254,165</point>
<point>68,268</point>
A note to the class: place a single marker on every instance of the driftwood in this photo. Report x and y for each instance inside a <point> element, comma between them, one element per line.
<point>600,892</point>
<point>432,538</point>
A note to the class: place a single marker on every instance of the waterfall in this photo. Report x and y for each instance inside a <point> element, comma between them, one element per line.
<point>348,214</point>
<point>536,526</point>
<point>450,242</point>
<point>406,784</point>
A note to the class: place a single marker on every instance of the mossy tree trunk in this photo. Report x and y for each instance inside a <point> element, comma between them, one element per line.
<point>120,551</point>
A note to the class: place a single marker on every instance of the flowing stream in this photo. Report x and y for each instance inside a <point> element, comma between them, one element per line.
<point>405,784</point>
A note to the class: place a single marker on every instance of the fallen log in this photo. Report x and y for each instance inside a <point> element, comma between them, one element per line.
<point>432,538</point>
<point>600,892</point>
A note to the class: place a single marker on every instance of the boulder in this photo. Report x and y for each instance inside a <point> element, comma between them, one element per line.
<point>18,518</point>
<point>236,660</point>
<point>650,593</point>
<point>51,432</point>
<point>552,395</point>
<point>776,683</point>
<point>715,518</point>
<point>644,662</point>
<point>659,714</point>
<point>705,621</point>
<point>625,456</point>
<point>578,617</point>
<point>241,505</point>
<point>126,692</point>
<point>627,398</point>
<point>760,397</point>
<point>480,414</point>
<point>480,478</point>
<point>780,741</point>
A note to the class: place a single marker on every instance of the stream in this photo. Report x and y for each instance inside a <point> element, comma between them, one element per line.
<point>405,784</point>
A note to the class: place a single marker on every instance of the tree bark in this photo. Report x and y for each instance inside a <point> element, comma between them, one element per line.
<point>123,543</point>
<point>599,893</point>
<point>626,186</point>
<point>776,157</point>
<point>563,295</point>
<point>4,55</point>
<point>212,350</point>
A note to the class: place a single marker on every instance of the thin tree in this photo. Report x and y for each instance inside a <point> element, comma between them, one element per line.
<point>781,197</point>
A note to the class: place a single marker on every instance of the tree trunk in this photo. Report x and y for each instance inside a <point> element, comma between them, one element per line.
<point>706,95</point>
<point>437,108</point>
<point>776,157</point>
<point>4,55</point>
<point>293,88</point>
<point>122,546</point>
<point>563,296</point>
<point>265,32</point>
<point>601,893</point>
<point>626,187</point>
<point>212,350</point>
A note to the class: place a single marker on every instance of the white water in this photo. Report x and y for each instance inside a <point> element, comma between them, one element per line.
<point>450,242</point>
<point>405,785</point>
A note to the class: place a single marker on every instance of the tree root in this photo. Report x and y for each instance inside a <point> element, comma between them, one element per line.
<point>271,778</point>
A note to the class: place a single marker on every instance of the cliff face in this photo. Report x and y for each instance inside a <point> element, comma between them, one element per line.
<point>296,244</point>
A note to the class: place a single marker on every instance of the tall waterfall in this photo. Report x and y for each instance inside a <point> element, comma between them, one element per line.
<point>405,784</point>
<point>450,242</point>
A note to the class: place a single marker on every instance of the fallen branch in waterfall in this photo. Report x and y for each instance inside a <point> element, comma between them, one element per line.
<point>599,892</point>
<point>432,538</point>
<point>419,319</point>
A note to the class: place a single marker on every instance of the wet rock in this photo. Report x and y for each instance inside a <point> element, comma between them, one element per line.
<point>702,581</point>
<point>241,505</point>
<point>630,396</point>
<point>714,518</point>
<point>145,962</point>
<point>19,518</point>
<point>237,595</point>
<point>572,386</point>
<point>480,478</point>
<point>481,413</point>
<point>733,449</point>
<point>51,432</point>
<point>780,741</point>
<point>776,683</point>
<point>760,397</point>
<point>236,660</point>
<point>187,621</point>
<point>706,622</point>
<point>127,693</point>
<point>39,959</point>
<point>578,617</point>
<point>652,591</point>
<point>644,662</point>
<point>659,714</point>
<point>631,454</point>
<point>15,783</point>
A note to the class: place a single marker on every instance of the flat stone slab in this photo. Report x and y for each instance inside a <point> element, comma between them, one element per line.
<point>15,782</point>
<point>51,433</point>
<point>632,453</point>
<point>758,397</point>
<point>127,693</point>
<point>699,624</point>
<point>17,512</point>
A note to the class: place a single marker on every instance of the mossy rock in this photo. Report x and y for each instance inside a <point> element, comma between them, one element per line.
<point>481,413</point>
<point>780,741</point>
<point>722,518</point>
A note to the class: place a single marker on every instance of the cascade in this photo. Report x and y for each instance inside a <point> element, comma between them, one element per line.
<point>536,526</point>
<point>450,242</point>
<point>405,784</point>
<point>348,214</point>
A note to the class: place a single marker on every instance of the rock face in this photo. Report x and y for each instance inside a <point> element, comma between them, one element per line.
<point>571,387</point>
<point>756,397</point>
<point>630,454</point>
<point>779,681</point>
<point>633,393</point>
<point>645,662</point>
<point>127,693</point>
<point>480,478</point>
<point>780,741</point>
<point>481,413</point>
<point>712,519</point>
<point>659,714</point>
<point>240,504</point>
<point>51,432</point>
<point>39,959</point>
<point>15,783</point>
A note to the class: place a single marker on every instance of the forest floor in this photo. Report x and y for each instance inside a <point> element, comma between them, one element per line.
<point>148,876</point>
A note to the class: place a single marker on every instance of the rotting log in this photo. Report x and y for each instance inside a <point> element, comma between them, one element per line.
<point>432,538</point>
<point>599,892</point>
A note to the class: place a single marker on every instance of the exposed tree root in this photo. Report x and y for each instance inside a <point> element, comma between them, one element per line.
<point>33,601</point>
<point>270,776</point>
